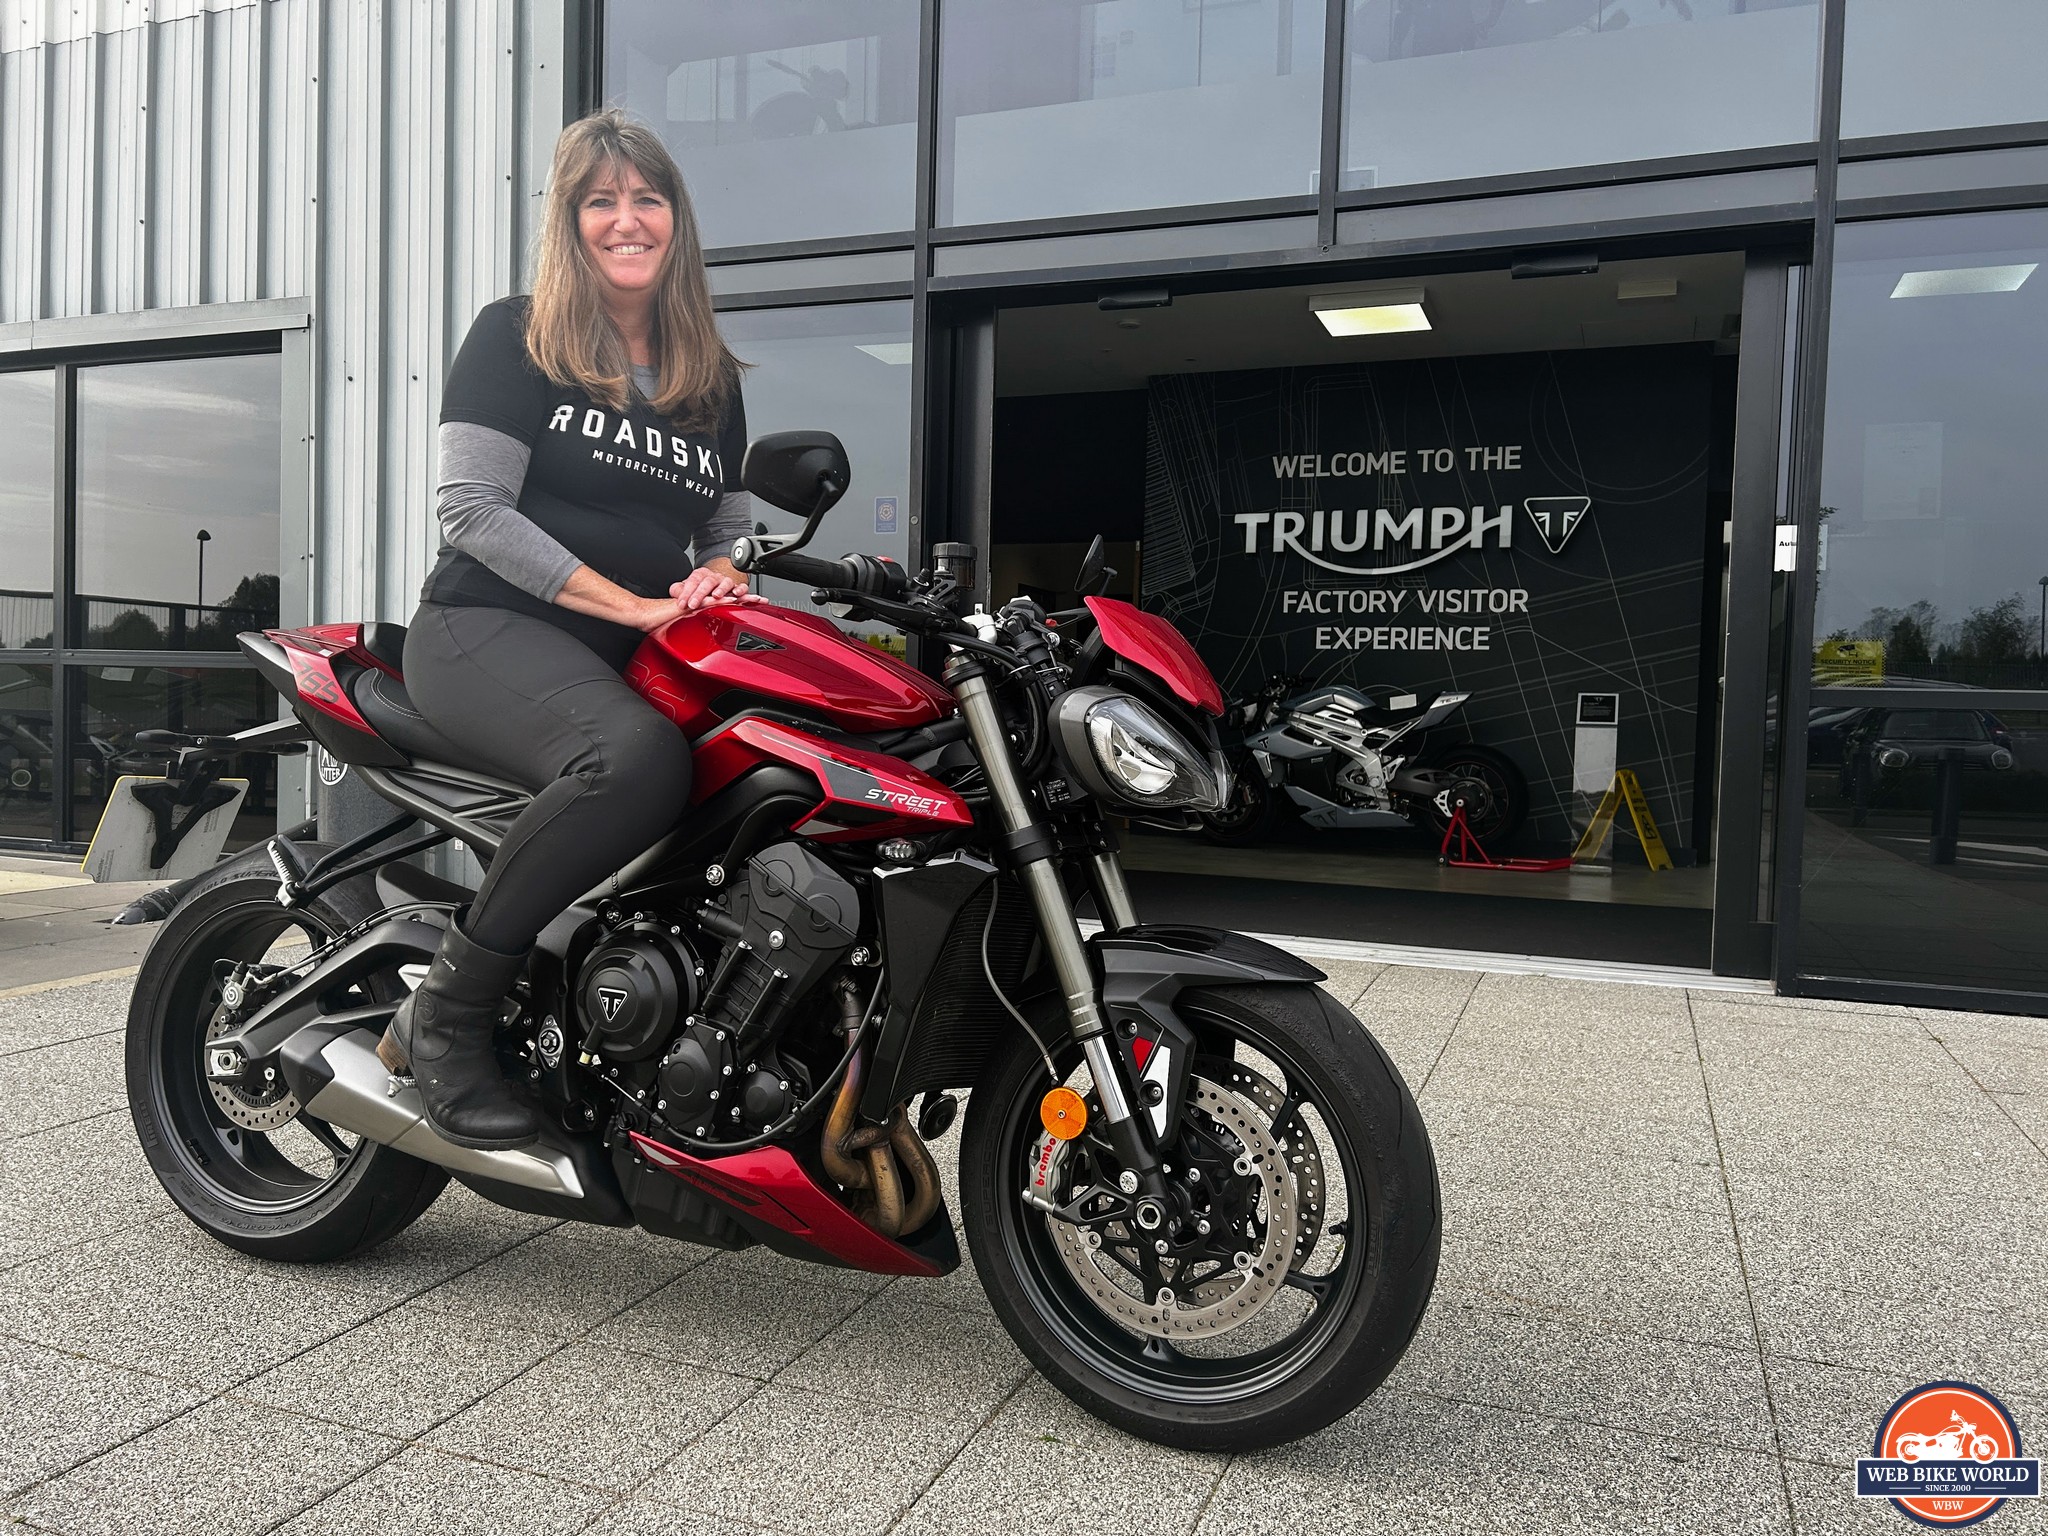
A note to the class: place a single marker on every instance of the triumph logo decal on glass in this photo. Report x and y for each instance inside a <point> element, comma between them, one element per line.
<point>1556,518</point>
<point>1948,1454</point>
<point>1429,534</point>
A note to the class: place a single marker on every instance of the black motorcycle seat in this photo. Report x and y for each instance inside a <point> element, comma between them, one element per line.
<point>383,701</point>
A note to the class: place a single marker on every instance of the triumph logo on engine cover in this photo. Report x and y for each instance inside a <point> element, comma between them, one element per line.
<point>609,1001</point>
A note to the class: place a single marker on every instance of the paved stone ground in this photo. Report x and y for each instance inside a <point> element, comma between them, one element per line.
<point>1695,1244</point>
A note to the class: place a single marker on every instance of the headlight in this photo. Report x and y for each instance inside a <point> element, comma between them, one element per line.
<point>1123,751</point>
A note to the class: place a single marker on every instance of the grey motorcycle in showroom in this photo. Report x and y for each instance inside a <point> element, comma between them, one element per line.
<point>1342,759</point>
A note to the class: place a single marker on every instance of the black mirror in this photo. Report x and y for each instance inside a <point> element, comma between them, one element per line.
<point>1095,575</point>
<point>800,472</point>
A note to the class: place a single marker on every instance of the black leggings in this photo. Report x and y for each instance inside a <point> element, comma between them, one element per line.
<point>535,705</point>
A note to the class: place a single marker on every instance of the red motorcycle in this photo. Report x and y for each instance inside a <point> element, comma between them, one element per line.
<point>1197,1192</point>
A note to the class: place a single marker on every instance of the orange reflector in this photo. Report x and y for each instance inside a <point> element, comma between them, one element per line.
<point>1064,1112</point>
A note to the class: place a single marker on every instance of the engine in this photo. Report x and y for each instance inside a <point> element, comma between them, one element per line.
<point>701,1054</point>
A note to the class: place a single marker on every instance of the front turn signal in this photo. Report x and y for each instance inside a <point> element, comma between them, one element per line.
<point>1064,1113</point>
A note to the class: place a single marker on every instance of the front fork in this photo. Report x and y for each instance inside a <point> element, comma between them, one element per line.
<point>1035,853</point>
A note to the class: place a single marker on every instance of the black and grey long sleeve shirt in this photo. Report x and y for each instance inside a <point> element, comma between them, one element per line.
<point>537,479</point>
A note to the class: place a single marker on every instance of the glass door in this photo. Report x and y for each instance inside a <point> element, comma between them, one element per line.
<point>1924,842</point>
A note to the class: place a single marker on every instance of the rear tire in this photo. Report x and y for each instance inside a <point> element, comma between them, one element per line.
<point>1498,801</point>
<point>232,1182</point>
<point>1374,1294</point>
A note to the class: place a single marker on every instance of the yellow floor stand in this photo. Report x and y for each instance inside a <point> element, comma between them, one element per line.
<point>1626,789</point>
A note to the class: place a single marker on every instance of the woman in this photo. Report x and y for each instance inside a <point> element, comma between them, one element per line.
<point>590,440</point>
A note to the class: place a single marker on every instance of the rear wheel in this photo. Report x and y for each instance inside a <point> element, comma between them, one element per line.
<point>1301,1257</point>
<point>1492,789</point>
<point>1253,811</point>
<point>243,1161</point>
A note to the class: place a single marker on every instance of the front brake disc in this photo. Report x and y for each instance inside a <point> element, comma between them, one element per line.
<point>1214,1303</point>
<point>1303,1155</point>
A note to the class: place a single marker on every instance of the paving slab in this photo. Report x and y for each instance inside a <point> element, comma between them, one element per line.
<point>423,1490</point>
<point>57,1084</point>
<point>57,1410</point>
<point>1405,1464</point>
<point>1475,1349</point>
<point>400,1373</point>
<point>43,1201</point>
<point>565,1280</point>
<point>1669,1274</point>
<point>225,1468</point>
<point>1407,991</point>
<point>706,1316</point>
<point>899,1351</point>
<point>140,1298</point>
<point>632,1413</point>
<point>1018,1475</point>
<point>797,1461</point>
<point>64,1013</point>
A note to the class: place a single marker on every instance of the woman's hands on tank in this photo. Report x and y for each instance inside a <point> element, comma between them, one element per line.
<point>716,581</point>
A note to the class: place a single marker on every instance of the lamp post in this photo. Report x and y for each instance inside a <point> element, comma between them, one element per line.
<point>199,591</point>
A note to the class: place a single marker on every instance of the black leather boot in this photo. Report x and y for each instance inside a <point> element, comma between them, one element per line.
<point>442,1035</point>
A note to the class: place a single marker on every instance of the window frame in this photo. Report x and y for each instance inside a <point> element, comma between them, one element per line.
<point>63,348</point>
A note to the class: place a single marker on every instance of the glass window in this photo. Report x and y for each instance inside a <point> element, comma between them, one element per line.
<point>844,368</point>
<point>790,121</point>
<point>1437,90</point>
<point>178,480</point>
<point>28,766</point>
<point>28,490</point>
<point>1096,106</point>
<point>1927,811</point>
<point>112,703</point>
<point>1913,65</point>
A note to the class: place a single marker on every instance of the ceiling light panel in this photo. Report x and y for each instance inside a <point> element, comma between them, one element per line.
<point>1381,312</point>
<point>1949,281</point>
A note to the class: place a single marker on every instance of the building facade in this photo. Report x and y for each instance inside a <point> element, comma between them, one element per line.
<point>1657,373</point>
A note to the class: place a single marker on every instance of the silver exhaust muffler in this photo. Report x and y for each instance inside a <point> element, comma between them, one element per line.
<point>361,1096</point>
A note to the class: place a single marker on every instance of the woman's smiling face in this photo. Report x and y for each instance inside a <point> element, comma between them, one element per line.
<point>626,228</point>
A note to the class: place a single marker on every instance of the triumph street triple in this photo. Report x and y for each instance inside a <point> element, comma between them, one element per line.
<point>1342,759</point>
<point>1196,1191</point>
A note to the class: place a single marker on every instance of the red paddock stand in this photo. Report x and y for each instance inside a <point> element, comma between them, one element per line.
<point>1472,855</point>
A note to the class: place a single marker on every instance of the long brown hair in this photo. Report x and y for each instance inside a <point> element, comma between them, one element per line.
<point>568,334</point>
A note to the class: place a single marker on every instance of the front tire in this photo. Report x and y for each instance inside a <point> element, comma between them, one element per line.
<point>1352,1302</point>
<point>299,1192</point>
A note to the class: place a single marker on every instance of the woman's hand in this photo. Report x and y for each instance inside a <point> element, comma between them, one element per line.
<point>715,581</point>
<point>587,592</point>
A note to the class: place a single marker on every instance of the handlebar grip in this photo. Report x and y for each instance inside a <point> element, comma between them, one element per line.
<point>748,556</point>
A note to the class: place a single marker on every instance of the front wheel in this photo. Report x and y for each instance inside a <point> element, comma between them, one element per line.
<point>1302,1251</point>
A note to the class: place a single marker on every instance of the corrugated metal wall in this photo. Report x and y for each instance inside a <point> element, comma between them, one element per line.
<point>381,161</point>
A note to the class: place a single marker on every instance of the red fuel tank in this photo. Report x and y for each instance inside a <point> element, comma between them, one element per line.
<point>689,666</point>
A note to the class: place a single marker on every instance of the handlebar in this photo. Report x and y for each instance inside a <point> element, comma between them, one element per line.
<point>868,575</point>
